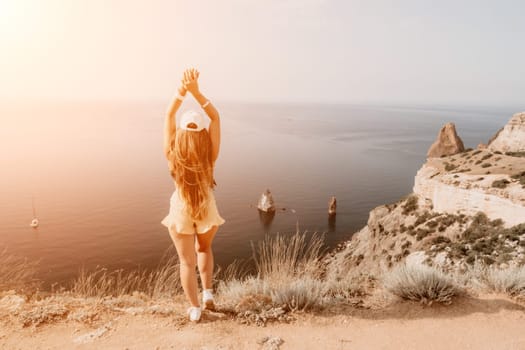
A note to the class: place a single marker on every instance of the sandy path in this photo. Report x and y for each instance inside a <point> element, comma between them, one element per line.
<point>489,323</point>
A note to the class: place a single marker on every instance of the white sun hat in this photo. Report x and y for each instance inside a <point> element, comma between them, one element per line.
<point>194,117</point>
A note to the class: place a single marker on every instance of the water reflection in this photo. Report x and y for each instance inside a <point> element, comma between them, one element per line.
<point>266,219</point>
<point>331,222</point>
<point>107,210</point>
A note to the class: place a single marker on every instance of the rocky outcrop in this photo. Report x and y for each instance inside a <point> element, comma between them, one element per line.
<point>512,137</point>
<point>465,207</point>
<point>481,146</point>
<point>466,193</point>
<point>266,202</point>
<point>447,143</point>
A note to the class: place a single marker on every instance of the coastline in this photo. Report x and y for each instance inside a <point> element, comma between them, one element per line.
<point>416,274</point>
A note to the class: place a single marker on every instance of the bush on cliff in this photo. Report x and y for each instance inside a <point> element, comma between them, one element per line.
<point>421,283</point>
<point>410,204</point>
<point>292,273</point>
<point>479,276</point>
<point>500,183</point>
<point>520,177</point>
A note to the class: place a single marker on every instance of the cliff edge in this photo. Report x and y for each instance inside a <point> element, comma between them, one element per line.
<point>512,137</point>
<point>466,205</point>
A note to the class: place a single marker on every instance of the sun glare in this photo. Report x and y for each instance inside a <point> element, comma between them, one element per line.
<point>9,11</point>
<point>16,18</point>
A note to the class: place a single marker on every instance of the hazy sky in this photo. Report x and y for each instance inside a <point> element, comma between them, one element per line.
<point>272,50</point>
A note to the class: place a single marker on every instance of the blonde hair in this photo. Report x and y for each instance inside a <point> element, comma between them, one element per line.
<point>191,167</point>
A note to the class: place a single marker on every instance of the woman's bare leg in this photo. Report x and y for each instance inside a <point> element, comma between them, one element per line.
<point>205,256</point>
<point>185,245</point>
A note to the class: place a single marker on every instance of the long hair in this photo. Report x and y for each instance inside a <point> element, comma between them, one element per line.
<point>192,169</point>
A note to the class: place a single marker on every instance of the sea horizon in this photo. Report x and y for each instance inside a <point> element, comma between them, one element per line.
<point>112,203</point>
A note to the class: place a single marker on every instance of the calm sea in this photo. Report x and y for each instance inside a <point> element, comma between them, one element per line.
<point>101,185</point>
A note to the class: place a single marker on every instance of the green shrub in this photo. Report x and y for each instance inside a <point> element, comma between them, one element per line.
<point>432,223</point>
<point>410,205</point>
<point>422,218</point>
<point>422,233</point>
<point>406,245</point>
<point>500,183</point>
<point>450,167</point>
<point>520,177</point>
<point>440,239</point>
<point>486,156</point>
<point>481,226</point>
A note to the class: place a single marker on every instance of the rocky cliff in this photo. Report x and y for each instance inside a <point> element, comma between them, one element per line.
<point>476,181</point>
<point>465,207</point>
<point>512,137</point>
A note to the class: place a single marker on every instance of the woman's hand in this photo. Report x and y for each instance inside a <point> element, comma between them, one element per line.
<point>190,81</point>
<point>182,89</point>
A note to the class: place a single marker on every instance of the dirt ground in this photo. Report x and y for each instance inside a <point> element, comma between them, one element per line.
<point>486,322</point>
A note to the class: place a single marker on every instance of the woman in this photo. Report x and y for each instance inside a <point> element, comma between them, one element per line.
<point>193,219</point>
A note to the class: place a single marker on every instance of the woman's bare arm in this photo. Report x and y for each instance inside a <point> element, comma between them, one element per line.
<point>215,123</point>
<point>170,125</point>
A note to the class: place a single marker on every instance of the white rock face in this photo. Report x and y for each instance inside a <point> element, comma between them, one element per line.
<point>512,137</point>
<point>471,196</point>
<point>266,202</point>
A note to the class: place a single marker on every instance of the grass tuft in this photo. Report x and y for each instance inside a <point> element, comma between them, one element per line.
<point>292,273</point>
<point>421,283</point>
<point>410,205</point>
<point>17,273</point>
<point>288,272</point>
<point>161,281</point>
<point>510,280</point>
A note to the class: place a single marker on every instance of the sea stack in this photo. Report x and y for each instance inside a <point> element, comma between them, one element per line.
<point>332,206</point>
<point>266,203</point>
<point>511,138</point>
<point>447,143</point>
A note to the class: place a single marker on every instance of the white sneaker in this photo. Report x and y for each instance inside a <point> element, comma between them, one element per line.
<point>207,300</point>
<point>194,312</point>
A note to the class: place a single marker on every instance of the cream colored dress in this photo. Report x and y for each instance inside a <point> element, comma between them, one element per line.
<point>180,221</point>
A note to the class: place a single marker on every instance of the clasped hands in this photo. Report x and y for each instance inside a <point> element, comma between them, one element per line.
<point>189,82</point>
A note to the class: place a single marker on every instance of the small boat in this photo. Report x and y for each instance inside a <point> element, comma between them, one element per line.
<point>34,223</point>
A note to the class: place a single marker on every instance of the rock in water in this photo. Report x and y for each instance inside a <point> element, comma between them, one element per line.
<point>447,143</point>
<point>512,137</point>
<point>481,146</point>
<point>266,202</point>
<point>332,206</point>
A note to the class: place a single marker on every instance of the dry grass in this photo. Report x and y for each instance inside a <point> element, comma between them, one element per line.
<point>421,283</point>
<point>17,273</point>
<point>284,256</point>
<point>158,282</point>
<point>294,273</point>
<point>510,280</point>
<point>288,272</point>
